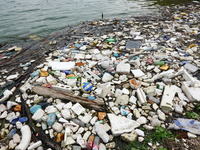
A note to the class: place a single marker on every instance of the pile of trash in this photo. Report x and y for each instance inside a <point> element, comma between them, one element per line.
<point>96,88</point>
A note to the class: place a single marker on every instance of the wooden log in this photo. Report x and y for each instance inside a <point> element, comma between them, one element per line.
<point>48,92</point>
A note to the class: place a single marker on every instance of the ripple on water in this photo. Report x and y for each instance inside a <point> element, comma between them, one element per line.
<point>24,17</point>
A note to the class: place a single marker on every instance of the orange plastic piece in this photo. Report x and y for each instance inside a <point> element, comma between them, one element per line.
<point>79,64</point>
<point>44,74</point>
<point>17,108</point>
<point>164,67</point>
<point>192,45</point>
<point>59,137</point>
<point>134,83</point>
<point>101,115</point>
<point>70,75</point>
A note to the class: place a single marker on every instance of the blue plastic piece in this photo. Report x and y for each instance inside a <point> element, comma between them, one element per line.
<point>186,55</point>
<point>91,97</point>
<point>12,133</point>
<point>78,45</point>
<point>134,58</point>
<point>100,75</point>
<point>121,55</point>
<point>184,62</point>
<point>20,119</point>
<point>75,51</point>
<point>85,43</point>
<point>67,72</point>
<point>51,119</point>
<point>34,108</point>
<point>63,48</point>
<point>34,74</point>
<point>7,54</point>
<point>166,37</point>
<point>116,55</point>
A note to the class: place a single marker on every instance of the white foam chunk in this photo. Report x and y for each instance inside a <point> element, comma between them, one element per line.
<point>120,125</point>
<point>61,65</point>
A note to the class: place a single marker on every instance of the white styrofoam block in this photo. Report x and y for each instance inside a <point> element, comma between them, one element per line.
<point>103,90</point>
<point>120,125</point>
<point>86,118</point>
<point>190,67</point>
<point>38,114</point>
<point>58,127</point>
<point>101,133</point>
<point>107,77</point>
<point>123,68</point>
<point>78,109</point>
<point>137,73</point>
<point>79,56</point>
<point>168,96</point>
<point>61,65</point>
<point>141,96</point>
<point>192,93</point>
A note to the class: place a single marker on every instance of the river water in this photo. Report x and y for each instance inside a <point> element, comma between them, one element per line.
<point>21,18</point>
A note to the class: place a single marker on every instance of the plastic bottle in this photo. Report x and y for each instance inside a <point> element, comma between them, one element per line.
<point>80,123</point>
<point>153,99</point>
<point>96,143</point>
<point>90,142</point>
<point>51,119</point>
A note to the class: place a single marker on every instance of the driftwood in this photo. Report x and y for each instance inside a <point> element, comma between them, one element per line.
<point>48,92</point>
<point>46,140</point>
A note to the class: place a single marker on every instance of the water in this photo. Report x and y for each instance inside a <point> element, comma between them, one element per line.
<point>21,18</point>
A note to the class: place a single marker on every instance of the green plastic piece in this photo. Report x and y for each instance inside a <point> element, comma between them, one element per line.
<point>75,77</point>
<point>160,63</point>
<point>110,40</point>
<point>52,72</point>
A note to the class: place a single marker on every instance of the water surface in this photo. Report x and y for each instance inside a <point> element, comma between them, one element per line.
<point>21,18</point>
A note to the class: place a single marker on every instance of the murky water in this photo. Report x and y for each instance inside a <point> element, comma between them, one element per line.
<point>20,18</point>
